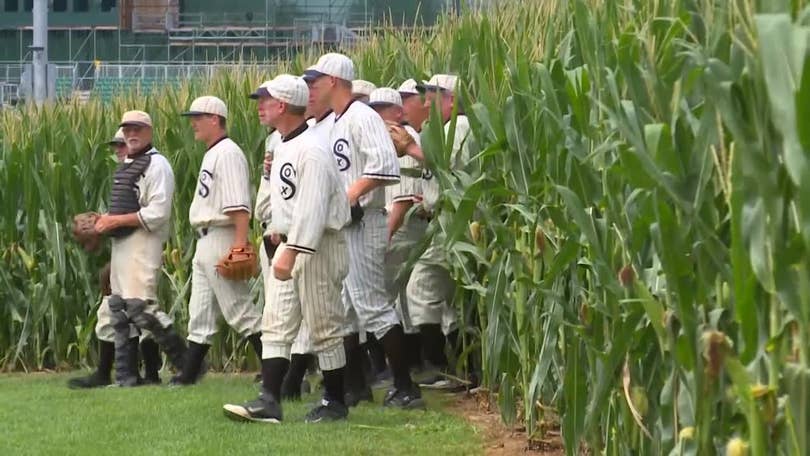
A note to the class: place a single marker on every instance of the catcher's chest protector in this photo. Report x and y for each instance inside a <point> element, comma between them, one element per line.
<point>123,197</point>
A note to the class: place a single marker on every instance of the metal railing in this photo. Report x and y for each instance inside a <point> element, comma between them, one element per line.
<point>168,72</point>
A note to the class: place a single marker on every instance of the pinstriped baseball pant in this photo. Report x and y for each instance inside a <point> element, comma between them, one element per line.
<point>312,295</point>
<point>365,297</point>
<point>430,290</point>
<point>402,244</point>
<point>213,296</point>
<point>303,341</point>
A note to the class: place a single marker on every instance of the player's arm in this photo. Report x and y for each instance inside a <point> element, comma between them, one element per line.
<point>233,174</point>
<point>309,217</point>
<point>382,166</point>
<point>397,216</point>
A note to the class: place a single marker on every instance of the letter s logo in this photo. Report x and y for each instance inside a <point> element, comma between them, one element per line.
<point>341,149</point>
<point>286,174</point>
<point>205,177</point>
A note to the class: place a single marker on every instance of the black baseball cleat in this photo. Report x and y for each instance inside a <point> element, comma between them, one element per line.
<point>327,411</point>
<point>93,380</point>
<point>353,398</point>
<point>405,399</point>
<point>265,409</point>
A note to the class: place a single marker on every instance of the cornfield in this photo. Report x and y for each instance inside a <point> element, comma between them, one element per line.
<point>631,241</point>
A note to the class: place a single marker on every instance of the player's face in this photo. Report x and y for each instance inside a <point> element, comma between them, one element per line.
<point>205,127</point>
<point>121,151</point>
<point>137,136</point>
<point>443,99</point>
<point>274,110</point>
<point>413,110</point>
<point>319,91</point>
<point>389,113</point>
<point>263,106</point>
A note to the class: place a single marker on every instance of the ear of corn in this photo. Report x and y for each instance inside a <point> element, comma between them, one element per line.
<point>638,212</point>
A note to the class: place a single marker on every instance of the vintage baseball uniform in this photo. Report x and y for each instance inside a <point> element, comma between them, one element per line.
<point>430,288</point>
<point>406,239</point>
<point>362,147</point>
<point>309,208</point>
<point>223,187</point>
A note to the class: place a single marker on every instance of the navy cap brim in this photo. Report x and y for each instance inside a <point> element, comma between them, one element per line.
<point>134,124</point>
<point>117,142</point>
<point>422,88</point>
<point>260,92</point>
<point>195,113</point>
<point>405,95</point>
<point>381,104</point>
<point>311,75</point>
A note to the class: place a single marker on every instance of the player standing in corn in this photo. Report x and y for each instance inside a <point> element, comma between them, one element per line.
<point>220,215</point>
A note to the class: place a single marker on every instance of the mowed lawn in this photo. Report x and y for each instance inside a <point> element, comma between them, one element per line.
<point>40,415</point>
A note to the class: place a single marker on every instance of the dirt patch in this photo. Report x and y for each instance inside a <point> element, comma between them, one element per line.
<point>499,440</point>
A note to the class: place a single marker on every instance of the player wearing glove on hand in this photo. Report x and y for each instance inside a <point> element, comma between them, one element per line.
<point>224,258</point>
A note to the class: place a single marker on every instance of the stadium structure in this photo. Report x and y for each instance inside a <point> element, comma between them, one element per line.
<point>95,47</point>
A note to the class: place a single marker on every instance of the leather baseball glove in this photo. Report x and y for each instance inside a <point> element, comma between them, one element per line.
<point>402,139</point>
<point>240,263</point>
<point>84,230</point>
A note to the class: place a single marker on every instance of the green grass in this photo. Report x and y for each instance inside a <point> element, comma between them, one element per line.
<point>40,415</point>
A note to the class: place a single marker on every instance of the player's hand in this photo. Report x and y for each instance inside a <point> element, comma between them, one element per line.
<point>105,223</point>
<point>283,266</point>
<point>268,161</point>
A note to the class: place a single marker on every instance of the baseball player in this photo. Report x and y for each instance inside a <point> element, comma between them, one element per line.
<point>414,111</point>
<point>307,251</point>
<point>105,333</point>
<point>138,221</point>
<point>320,119</point>
<point>404,234</point>
<point>367,160</point>
<point>220,215</point>
<point>361,89</point>
<point>430,287</point>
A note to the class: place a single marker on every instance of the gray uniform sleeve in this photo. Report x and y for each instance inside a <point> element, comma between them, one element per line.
<point>233,177</point>
<point>157,190</point>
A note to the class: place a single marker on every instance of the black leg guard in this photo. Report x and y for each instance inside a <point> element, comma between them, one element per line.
<point>150,351</point>
<point>167,337</point>
<point>355,379</point>
<point>126,371</point>
<point>190,372</point>
<point>273,372</point>
<point>376,354</point>
<point>413,348</point>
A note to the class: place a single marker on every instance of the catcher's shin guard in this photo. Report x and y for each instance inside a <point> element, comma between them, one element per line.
<point>126,367</point>
<point>167,337</point>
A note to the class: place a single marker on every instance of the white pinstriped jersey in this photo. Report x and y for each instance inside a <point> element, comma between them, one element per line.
<point>362,147</point>
<point>409,188</point>
<point>323,127</point>
<point>155,192</point>
<point>223,186</point>
<point>307,195</point>
<point>262,210</point>
<point>459,156</point>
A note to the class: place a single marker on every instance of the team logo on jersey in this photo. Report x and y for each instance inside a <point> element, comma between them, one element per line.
<point>341,150</point>
<point>206,177</point>
<point>287,174</point>
<point>427,174</point>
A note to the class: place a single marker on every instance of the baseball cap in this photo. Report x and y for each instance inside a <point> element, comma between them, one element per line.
<point>136,118</point>
<point>444,82</point>
<point>284,87</point>
<point>384,96</point>
<point>331,64</point>
<point>118,138</point>
<point>408,88</point>
<point>207,105</point>
<point>362,87</point>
